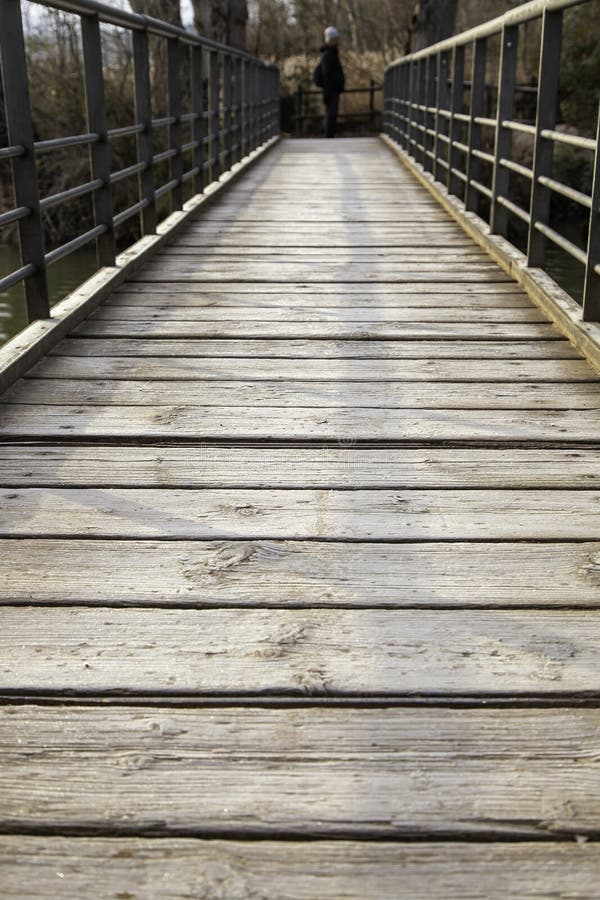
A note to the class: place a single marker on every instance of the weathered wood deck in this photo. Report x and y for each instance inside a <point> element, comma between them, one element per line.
<point>301,552</point>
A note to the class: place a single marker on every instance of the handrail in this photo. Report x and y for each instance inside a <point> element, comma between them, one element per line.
<point>423,115</point>
<point>300,115</point>
<point>234,109</point>
<point>524,13</point>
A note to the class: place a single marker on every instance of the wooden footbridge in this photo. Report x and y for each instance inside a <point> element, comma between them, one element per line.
<point>300,533</point>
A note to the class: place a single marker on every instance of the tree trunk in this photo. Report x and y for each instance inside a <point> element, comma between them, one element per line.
<point>222,20</point>
<point>433,21</point>
<point>167,10</point>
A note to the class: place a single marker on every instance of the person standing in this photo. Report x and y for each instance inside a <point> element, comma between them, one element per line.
<point>333,79</point>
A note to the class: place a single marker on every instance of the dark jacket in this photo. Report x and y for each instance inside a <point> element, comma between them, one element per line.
<point>333,74</point>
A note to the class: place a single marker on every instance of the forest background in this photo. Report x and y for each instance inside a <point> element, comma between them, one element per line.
<point>286,32</point>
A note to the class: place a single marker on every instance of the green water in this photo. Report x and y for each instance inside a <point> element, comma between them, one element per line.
<point>63,277</point>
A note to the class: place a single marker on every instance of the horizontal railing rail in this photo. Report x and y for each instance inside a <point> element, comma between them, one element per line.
<point>302,115</point>
<point>424,114</point>
<point>234,102</point>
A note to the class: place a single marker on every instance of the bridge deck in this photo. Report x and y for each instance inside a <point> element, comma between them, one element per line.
<point>300,533</point>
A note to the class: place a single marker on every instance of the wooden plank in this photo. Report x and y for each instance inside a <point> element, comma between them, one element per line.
<point>320,252</point>
<point>388,773</point>
<point>287,208</point>
<point>300,227</point>
<point>297,349</point>
<point>317,255</point>
<point>333,652</point>
<point>397,224</point>
<point>317,216</point>
<point>299,870</point>
<point>336,370</point>
<point>335,294</point>
<point>279,423</point>
<point>257,238</point>
<point>380,238</point>
<point>286,301</point>
<point>286,195</point>
<point>297,574</point>
<point>279,273</point>
<point>316,467</point>
<point>317,330</point>
<point>301,514</point>
<point>302,394</point>
<point>360,315</point>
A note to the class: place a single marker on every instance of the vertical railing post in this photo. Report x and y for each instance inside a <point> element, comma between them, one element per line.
<point>454,184</point>
<point>477,109</point>
<point>227,104</point>
<point>276,104</point>
<point>543,151</point>
<point>372,105</point>
<point>386,82</point>
<point>237,92</point>
<point>270,120</point>
<point>397,107</point>
<point>503,146</point>
<point>297,130</point>
<point>591,285</point>
<point>266,103</point>
<point>429,117</point>
<point>421,99</point>
<point>143,117</point>
<point>260,79</point>
<point>197,109</point>
<point>99,152</point>
<point>245,145</point>
<point>406,91</point>
<point>394,104</point>
<point>252,106</point>
<point>250,95</point>
<point>215,167</point>
<point>412,111</point>
<point>20,133</point>
<point>386,97</point>
<point>174,111</point>
<point>442,102</point>
<point>258,104</point>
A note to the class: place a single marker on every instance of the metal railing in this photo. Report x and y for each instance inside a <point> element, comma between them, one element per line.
<point>303,114</point>
<point>426,115</point>
<point>234,103</point>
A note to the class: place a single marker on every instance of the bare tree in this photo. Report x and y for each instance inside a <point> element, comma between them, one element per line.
<point>167,10</point>
<point>222,20</point>
<point>433,20</point>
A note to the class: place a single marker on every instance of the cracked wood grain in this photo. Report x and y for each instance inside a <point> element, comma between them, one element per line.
<point>270,870</point>
<point>340,369</point>
<point>297,573</point>
<point>202,423</point>
<point>331,652</point>
<point>345,394</point>
<point>62,357</point>
<point>307,772</point>
<point>70,465</point>
<point>249,513</point>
